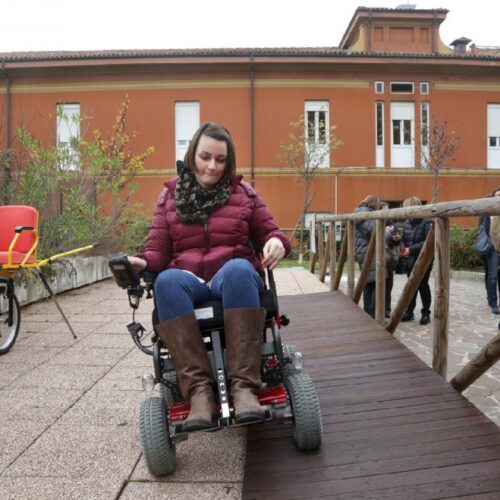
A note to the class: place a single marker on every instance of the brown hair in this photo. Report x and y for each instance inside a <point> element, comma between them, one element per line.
<point>219,133</point>
<point>371,201</point>
<point>493,193</point>
<point>412,201</point>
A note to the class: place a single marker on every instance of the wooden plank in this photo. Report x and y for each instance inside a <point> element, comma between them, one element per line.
<point>391,425</point>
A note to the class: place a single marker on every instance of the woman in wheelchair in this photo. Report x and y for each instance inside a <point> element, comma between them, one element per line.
<point>207,231</point>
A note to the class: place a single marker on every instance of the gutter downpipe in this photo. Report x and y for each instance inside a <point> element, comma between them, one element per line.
<point>252,122</point>
<point>6,167</point>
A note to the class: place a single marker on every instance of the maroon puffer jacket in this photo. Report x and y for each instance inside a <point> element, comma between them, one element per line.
<point>204,248</point>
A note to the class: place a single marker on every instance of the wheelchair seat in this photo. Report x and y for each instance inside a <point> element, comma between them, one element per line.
<point>210,314</point>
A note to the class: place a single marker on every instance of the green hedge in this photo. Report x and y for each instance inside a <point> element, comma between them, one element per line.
<point>462,253</point>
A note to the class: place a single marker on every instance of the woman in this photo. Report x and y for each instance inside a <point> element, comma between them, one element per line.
<point>491,261</point>
<point>415,232</point>
<point>207,231</point>
<point>363,233</point>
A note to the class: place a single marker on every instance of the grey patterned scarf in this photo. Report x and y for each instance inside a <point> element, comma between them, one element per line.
<point>193,203</point>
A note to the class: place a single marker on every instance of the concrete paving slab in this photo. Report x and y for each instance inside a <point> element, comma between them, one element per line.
<point>38,404</point>
<point>122,378</point>
<point>108,340</point>
<point>33,357</point>
<point>15,438</point>
<point>102,407</point>
<point>205,457</point>
<point>181,491</point>
<point>10,372</point>
<point>52,488</point>
<point>61,376</point>
<point>75,452</point>
<point>47,339</point>
<point>89,356</point>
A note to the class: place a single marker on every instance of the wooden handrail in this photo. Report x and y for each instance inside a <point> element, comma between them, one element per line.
<point>436,246</point>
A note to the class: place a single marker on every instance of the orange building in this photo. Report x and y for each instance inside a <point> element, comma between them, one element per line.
<point>383,88</point>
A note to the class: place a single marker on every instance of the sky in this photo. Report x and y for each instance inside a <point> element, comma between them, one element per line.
<point>30,25</point>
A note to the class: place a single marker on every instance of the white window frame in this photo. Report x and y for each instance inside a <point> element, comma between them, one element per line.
<point>379,87</point>
<point>424,133</point>
<point>379,148</point>
<point>67,130</point>
<point>493,132</point>
<point>318,107</point>
<point>403,83</point>
<point>424,88</point>
<point>190,111</point>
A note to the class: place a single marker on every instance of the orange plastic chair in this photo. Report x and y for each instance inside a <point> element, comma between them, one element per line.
<point>18,236</point>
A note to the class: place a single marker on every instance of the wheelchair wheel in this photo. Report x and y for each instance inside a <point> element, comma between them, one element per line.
<point>158,449</point>
<point>166,393</point>
<point>8,334</point>
<point>307,424</point>
<point>288,350</point>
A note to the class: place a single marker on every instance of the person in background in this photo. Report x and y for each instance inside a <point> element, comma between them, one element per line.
<point>492,260</point>
<point>208,235</point>
<point>363,233</point>
<point>393,241</point>
<point>415,232</point>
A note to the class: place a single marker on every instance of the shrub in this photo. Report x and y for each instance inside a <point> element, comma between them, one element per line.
<point>82,190</point>
<point>462,253</point>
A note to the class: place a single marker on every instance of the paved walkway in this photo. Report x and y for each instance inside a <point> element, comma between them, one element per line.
<point>69,408</point>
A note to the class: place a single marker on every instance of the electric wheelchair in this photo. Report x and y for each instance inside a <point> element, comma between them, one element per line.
<point>287,393</point>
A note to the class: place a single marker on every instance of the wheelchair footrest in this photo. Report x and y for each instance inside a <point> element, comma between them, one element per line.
<point>267,396</point>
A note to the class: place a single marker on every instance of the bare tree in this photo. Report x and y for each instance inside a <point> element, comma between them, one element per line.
<point>439,145</point>
<point>307,149</point>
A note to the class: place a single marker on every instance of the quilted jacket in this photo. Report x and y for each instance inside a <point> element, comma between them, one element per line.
<point>238,229</point>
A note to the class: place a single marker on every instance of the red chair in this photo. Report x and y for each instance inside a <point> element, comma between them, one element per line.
<point>18,236</point>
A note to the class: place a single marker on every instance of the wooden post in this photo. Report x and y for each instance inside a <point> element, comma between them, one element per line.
<point>380,272</point>
<point>483,360</point>
<point>333,254</point>
<point>367,264</point>
<point>351,258</point>
<point>326,256</point>
<point>341,262</point>
<point>312,245</point>
<point>321,243</point>
<point>424,260</point>
<point>442,296</point>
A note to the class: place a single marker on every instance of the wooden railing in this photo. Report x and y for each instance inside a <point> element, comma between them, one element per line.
<point>436,248</point>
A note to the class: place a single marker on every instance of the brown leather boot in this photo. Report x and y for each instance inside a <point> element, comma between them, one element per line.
<point>185,344</point>
<point>243,328</point>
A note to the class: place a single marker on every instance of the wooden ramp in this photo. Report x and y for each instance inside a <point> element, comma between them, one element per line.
<point>392,427</point>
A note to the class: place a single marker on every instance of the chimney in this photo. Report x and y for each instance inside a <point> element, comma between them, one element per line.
<point>460,46</point>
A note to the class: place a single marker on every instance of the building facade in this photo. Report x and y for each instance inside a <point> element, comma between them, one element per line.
<point>384,88</point>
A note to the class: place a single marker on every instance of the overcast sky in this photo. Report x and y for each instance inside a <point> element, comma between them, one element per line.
<point>27,25</point>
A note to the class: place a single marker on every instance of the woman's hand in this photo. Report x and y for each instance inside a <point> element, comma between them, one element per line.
<point>137,263</point>
<point>273,252</point>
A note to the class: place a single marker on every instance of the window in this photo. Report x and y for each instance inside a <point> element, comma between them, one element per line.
<point>493,137</point>
<point>317,128</point>
<point>379,134</point>
<point>424,87</point>
<point>68,133</point>
<point>187,121</point>
<point>402,87</point>
<point>401,132</point>
<point>379,87</point>
<point>424,132</point>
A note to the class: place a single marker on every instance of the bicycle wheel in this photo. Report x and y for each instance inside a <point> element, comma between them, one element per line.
<point>8,329</point>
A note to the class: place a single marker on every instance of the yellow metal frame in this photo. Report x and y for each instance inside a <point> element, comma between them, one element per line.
<point>9,269</point>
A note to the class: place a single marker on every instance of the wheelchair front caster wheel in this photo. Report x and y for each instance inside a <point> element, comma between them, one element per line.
<point>158,449</point>
<point>307,423</point>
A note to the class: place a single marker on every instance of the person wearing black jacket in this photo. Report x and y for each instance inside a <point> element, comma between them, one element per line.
<point>363,233</point>
<point>415,232</point>
<point>491,264</point>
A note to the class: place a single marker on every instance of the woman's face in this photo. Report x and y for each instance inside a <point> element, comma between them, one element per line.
<point>496,194</point>
<point>210,161</point>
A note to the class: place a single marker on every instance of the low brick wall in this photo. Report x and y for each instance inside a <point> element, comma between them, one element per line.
<point>62,276</point>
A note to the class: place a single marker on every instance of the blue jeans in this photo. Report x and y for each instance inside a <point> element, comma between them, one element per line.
<point>491,277</point>
<point>178,292</point>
